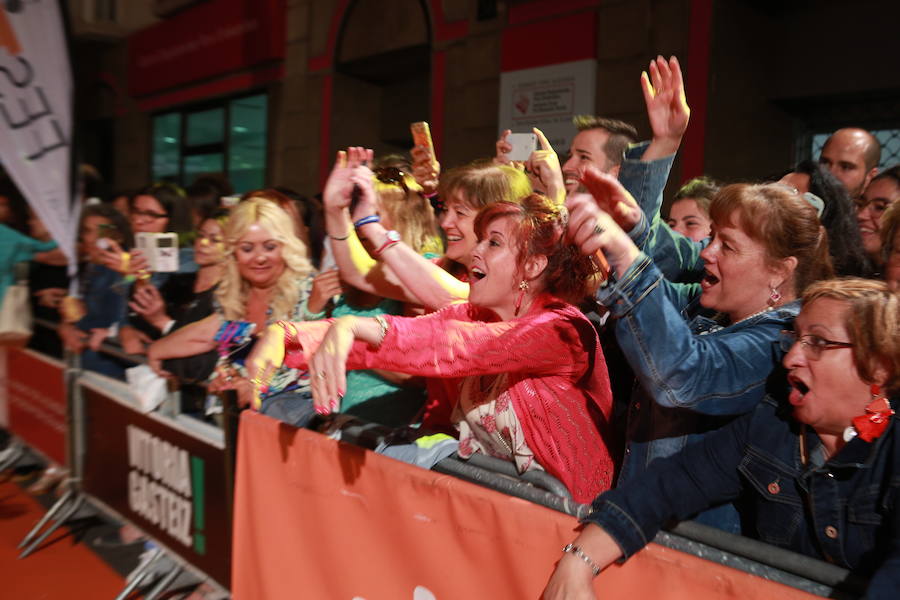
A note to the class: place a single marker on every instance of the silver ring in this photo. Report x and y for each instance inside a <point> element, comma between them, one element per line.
<point>598,230</point>
<point>321,374</point>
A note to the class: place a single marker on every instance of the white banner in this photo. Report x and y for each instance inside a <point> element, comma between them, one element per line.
<point>547,98</point>
<point>36,113</point>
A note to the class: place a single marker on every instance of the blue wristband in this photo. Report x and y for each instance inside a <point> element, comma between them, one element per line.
<point>367,220</point>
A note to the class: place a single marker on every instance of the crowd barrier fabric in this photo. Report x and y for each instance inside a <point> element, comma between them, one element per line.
<point>35,393</point>
<point>315,518</point>
<point>162,477</point>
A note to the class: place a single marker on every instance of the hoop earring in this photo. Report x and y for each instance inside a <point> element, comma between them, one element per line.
<point>523,287</point>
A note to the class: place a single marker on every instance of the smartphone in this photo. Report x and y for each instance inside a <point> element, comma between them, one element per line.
<point>523,144</point>
<point>421,135</point>
<point>160,249</point>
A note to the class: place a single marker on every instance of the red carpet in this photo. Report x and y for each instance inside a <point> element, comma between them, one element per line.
<point>61,568</point>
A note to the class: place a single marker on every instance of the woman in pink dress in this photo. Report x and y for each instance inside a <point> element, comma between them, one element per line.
<point>517,370</point>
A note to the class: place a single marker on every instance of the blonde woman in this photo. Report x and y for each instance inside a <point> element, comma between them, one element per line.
<point>267,278</point>
<point>403,273</point>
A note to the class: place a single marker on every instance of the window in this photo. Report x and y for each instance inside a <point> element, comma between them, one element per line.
<point>226,137</point>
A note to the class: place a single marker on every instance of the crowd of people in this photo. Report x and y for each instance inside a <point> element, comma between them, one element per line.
<point>733,363</point>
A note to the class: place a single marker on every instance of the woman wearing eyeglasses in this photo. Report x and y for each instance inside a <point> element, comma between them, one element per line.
<point>702,353</point>
<point>157,208</point>
<point>818,470</point>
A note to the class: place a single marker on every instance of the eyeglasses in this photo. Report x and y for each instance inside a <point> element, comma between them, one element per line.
<point>812,345</point>
<point>391,175</point>
<point>149,214</point>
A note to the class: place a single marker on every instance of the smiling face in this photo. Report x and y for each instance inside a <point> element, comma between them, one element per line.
<point>827,392</point>
<point>738,279</point>
<point>209,247</point>
<point>880,194</point>
<point>588,147</point>
<point>148,215</point>
<point>686,218</point>
<point>458,223</point>
<point>494,274</point>
<point>258,256</point>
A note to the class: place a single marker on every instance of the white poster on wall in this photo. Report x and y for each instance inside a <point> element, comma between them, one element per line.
<point>547,98</point>
<point>36,113</point>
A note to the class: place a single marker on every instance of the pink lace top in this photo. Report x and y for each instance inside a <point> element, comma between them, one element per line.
<point>555,377</point>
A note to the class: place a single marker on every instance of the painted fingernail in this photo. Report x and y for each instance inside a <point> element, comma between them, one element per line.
<point>321,410</point>
<point>334,405</point>
<point>341,393</point>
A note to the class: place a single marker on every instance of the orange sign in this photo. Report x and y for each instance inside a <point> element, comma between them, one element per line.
<point>315,518</point>
<point>8,37</point>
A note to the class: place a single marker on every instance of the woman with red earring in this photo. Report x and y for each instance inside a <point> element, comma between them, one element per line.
<point>817,470</point>
<point>517,370</point>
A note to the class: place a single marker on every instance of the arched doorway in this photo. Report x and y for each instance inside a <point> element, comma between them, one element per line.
<point>382,75</point>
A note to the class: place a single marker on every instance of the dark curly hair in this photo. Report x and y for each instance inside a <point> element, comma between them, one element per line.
<point>541,231</point>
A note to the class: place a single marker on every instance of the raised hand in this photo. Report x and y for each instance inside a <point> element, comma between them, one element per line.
<point>503,149</point>
<point>667,107</point>
<point>338,188</point>
<point>611,197</point>
<point>363,180</point>
<point>126,263</point>
<point>543,166</point>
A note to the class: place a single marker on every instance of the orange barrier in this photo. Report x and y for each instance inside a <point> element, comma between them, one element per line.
<point>315,518</point>
<point>35,393</point>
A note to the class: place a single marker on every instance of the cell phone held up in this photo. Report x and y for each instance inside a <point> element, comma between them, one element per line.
<point>160,249</point>
<point>523,144</point>
<point>421,134</point>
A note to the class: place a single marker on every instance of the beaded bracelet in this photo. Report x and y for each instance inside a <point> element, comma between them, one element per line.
<point>577,551</point>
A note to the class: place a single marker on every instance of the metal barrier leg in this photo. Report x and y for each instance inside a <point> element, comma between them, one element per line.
<point>12,455</point>
<point>136,577</point>
<point>164,583</point>
<point>46,518</point>
<point>76,504</point>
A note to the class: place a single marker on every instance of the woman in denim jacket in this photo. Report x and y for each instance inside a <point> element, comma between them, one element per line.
<point>695,374</point>
<point>820,469</point>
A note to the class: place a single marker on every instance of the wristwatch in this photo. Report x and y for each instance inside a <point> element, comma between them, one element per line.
<point>392,238</point>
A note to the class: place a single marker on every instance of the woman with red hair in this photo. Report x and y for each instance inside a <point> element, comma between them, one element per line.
<point>517,370</point>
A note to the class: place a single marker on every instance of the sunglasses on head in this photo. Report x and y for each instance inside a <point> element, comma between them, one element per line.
<point>391,175</point>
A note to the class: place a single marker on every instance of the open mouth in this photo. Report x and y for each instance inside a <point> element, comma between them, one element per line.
<point>798,390</point>
<point>709,279</point>
<point>477,274</point>
<point>454,238</point>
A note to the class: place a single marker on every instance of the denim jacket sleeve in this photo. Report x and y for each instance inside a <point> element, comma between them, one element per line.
<point>702,475</point>
<point>675,255</point>
<point>645,180</point>
<point>714,374</point>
